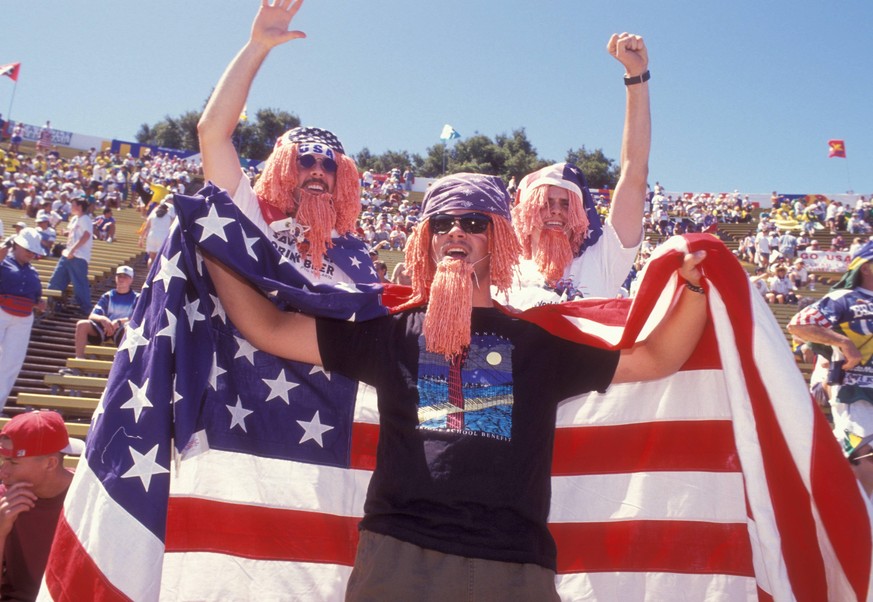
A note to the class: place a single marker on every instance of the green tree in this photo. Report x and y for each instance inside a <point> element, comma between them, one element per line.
<point>254,138</point>
<point>599,170</point>
<point>387,161</point>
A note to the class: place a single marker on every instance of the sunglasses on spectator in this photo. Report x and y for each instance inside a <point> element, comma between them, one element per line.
<point>307,161</point>
<point>471,223</point>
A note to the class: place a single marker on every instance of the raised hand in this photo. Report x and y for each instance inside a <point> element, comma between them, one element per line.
<point>630,50</point>
<point>270,27</point>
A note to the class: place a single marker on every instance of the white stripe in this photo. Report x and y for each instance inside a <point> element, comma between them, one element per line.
<point>366,409</point>
<point>767,553</point>
<point>693,496</point>
<point>690,395</point>
<point>655,587</point>
<point>266,482</point>
<point>106,532</point>
<point>205,576</point>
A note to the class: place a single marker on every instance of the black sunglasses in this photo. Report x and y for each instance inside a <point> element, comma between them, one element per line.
<point>471,223</point>
<point>327,164</point>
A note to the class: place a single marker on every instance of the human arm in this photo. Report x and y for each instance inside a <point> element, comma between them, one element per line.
<point>220,117</point>
<point>16,499</point>
<point>812,333</point>
<point>145,232</point>
<point>285,334</point>
<point>626,212</point>
<point>671,343</point>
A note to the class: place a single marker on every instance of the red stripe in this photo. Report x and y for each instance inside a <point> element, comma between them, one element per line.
<point>706,445</point>
<point>365,438</point>
<point>71,574</point>
<point>790,499</point>
<point>659,546</point>
<point>851,539</point>
<point>260,533</point>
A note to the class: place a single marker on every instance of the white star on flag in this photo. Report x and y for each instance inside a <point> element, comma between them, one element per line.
<point>218,309</point>
<point>170,329</point>
<point>238,415</point>
<point>317,369</point>
<point>133,340</point>
<point>245,349</point>
<point>144,466</point>
<point>279,387</point>
<point>192,310</point>
<point>138,400</point>
<point>250,246</point>
<point>314,430</point>
<point>215,372</point>
<point>355,261</point>
<point>213,225</point>
<point>169,270</point>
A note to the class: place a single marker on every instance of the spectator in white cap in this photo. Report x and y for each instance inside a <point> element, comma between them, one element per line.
<point>35,483</point>
<point>20,292</point>
<point>109,317</point>
<point>47,234</point>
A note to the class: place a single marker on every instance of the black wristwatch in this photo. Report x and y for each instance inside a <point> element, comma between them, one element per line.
<point>643,77</point>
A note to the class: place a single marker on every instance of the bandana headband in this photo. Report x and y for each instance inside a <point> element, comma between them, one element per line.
<point>469,192</point>
<point>312,137</point>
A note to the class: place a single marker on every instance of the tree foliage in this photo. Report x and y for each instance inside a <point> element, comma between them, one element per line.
<point>253,137</point>
<point>506,155</point>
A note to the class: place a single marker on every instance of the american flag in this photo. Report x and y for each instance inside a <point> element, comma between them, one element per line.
<point>721,482</point>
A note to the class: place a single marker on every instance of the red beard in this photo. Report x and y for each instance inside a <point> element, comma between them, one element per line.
<point>450,306</point>
<point>553,254</point>
<point>316,213</point>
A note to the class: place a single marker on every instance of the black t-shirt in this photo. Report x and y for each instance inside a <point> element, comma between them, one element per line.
<point>465,450</point>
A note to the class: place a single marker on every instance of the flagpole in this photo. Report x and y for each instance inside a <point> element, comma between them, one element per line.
<point>11,100</point>
<point>849,178</point>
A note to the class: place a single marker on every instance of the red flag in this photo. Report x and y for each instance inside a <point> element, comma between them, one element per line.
<point>837,148</point>
<point>10,70</point>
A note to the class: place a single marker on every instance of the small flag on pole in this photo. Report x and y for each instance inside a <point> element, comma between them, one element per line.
<point>837,148</point>
<point>10,70</point>
<point>449,133</point>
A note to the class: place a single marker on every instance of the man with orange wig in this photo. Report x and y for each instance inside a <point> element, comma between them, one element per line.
<point>567,252</point>
<point>308,192</point>
<point>467,395</point>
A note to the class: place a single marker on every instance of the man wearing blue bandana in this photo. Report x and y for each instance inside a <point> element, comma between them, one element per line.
<point>843,321</point>
<point>567,252</point>
<point>309,193</point>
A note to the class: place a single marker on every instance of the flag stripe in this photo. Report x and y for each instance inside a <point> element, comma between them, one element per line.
<point>703,445</point>
<point>627,546</point>
<point>79,573</point>
<point>259,532</point>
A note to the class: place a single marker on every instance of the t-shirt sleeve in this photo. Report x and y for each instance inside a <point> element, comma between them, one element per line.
<point>353,348</point>
<point>580,368</point>
<point>101,308</point>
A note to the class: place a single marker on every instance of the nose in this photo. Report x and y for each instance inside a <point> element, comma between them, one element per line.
<point>456,229</point>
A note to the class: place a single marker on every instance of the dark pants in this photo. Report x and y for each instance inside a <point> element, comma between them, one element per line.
<point>389,569</point>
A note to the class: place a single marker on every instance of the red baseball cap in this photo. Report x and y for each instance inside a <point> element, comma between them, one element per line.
<point>39,433</point>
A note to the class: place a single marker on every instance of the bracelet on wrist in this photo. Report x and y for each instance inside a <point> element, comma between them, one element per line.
<point>694,288</point>
<point>638,79</point>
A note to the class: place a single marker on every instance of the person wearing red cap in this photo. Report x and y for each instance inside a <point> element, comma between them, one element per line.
<point>34,485</point>
<point>309,191</point>
<point>458,502</point>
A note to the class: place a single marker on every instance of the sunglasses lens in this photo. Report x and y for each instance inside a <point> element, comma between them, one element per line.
<point>327,164</point>
<point>474,225</point>
<point>441,224</point>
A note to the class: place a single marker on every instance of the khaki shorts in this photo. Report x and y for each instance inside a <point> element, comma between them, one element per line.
<point>389,569</point>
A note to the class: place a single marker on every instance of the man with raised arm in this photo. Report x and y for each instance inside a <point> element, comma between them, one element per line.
<point>567,252</point>
<point>308,193</point>
<point>467,394</point>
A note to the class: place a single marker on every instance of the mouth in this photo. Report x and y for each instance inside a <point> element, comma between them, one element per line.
<point>553,224</point>
<point>314,185</point>
<point>455,252</point>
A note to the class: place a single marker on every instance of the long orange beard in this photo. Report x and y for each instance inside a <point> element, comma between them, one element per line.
<point>553,254</point>
<point>316,212</point>
<point>449,308</point>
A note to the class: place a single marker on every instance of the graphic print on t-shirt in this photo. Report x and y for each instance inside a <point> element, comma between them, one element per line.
<point>472,395</point>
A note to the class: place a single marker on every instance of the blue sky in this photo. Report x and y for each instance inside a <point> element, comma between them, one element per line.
<point>745,95</point>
